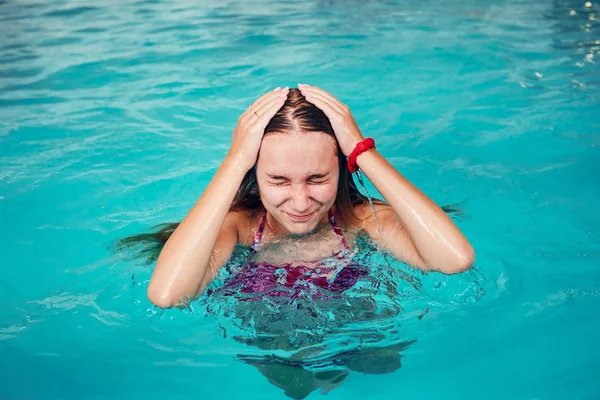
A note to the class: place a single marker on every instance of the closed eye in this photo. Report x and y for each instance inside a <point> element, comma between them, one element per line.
<point>318,179</point>
<point>279,183</point>
<point>315,179</point>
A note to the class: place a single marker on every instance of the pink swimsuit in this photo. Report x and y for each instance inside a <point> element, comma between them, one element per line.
<point>258,279</point>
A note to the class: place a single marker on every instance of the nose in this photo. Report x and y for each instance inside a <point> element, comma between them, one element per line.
<point>300,199</point>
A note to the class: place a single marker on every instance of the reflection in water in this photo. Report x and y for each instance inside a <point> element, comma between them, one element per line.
<point>312,339</point>
<point>299,378</point>
<point>303,336</point>
<point>318,343</point>
<point>576,25</point>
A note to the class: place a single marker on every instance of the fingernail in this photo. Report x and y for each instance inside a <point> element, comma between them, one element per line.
<point>286,88</point>
<point>277,88</point>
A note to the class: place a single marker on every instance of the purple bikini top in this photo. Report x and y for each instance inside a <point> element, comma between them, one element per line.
<point>261,228</point>
<point>258,279</point>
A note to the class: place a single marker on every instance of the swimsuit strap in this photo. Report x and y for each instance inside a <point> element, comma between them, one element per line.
<point>261,228</point>
<point>337,230</point>
<point>259,232</point>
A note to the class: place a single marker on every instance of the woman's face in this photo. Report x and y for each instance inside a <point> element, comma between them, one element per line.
<point>297,176</point>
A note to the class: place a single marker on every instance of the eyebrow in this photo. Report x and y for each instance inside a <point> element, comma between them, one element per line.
<point>313,176</point>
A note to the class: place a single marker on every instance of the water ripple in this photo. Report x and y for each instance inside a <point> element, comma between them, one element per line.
<point>114,116</point>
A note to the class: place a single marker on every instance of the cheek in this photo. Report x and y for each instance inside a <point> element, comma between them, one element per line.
<point>324,193</point>
<point>274,195</point>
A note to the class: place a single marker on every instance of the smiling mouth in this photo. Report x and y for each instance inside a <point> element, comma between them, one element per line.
<point>300,218</point>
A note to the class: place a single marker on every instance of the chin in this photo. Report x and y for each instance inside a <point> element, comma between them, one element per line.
<point>301,230</point>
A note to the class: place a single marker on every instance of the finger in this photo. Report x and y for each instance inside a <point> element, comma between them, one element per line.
<point>322,105</point>
<point>317,99</point>
<point>261,100</point>
<point>266,97</point>
<point>267,104</point>
<point>317,90</point>
<point>324,97</point>
<point>268,113</point>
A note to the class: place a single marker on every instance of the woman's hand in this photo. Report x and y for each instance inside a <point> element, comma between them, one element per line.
<point>250,129</point>
<point>341,119</point>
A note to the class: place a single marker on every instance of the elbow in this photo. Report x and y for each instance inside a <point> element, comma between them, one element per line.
<point>459,264</point>
<point>159,297</point>
<point>464,261</point>
<point>160,301</point>
<point>163,299</point>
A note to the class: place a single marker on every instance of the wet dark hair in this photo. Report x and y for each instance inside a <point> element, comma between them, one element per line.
<point>296,115</point>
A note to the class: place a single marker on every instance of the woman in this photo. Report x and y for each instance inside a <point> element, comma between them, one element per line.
<point>284,189</point>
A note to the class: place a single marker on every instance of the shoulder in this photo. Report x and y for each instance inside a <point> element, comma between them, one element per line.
<point>374,219</point>
<point>245,223</point>
<point>366,214</point>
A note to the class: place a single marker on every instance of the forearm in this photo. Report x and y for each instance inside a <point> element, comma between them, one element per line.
<point>439,242</point>
<point>185,257</point>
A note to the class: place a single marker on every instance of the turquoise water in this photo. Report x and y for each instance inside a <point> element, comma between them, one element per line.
<point>114,117</point>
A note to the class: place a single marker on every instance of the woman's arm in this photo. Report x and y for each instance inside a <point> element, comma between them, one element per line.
<point>184,260</point>
<point>207,235</point>
<point>417,231</point>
